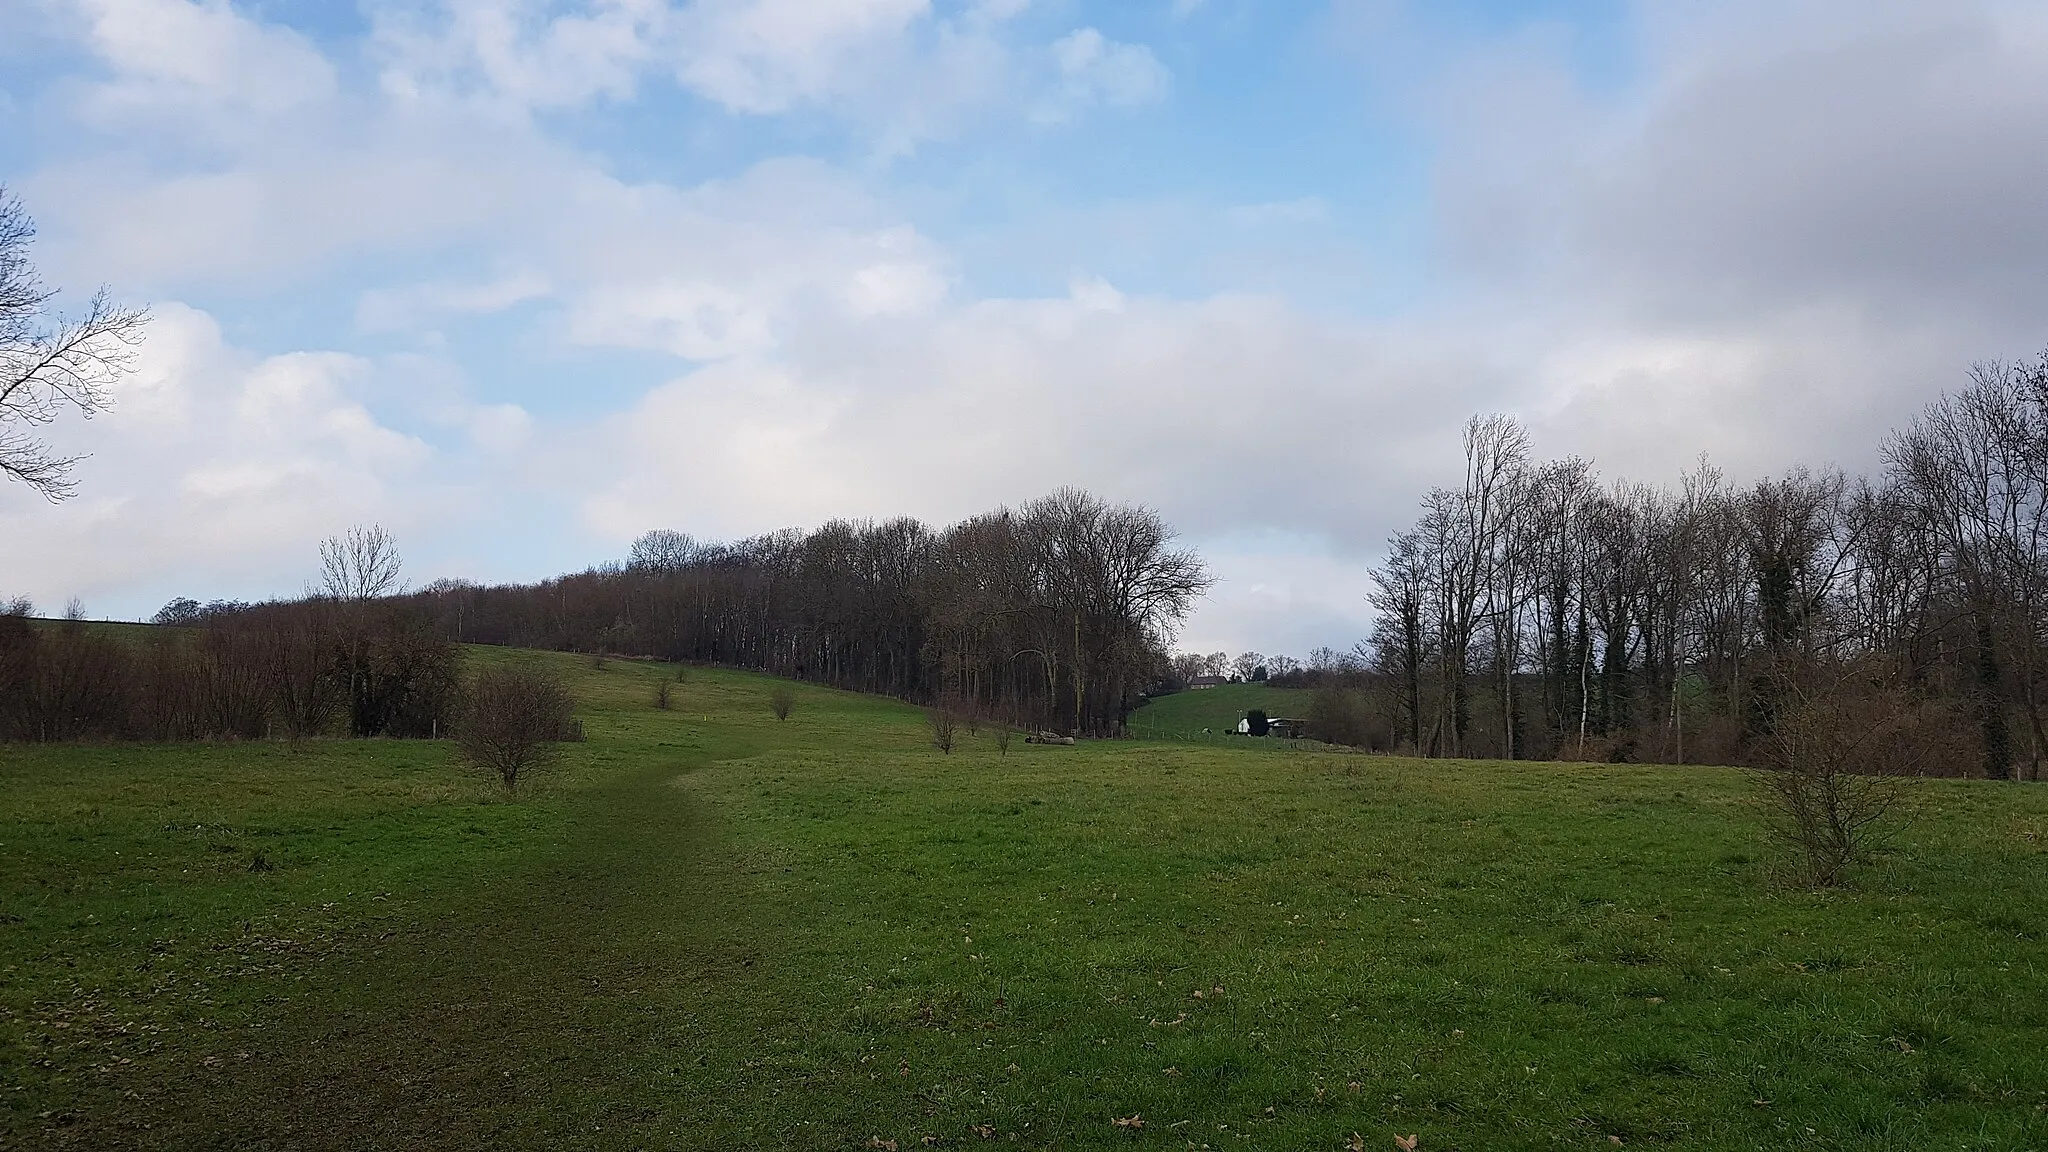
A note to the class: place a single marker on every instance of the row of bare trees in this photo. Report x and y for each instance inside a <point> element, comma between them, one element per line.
<point>1250,667</point>
<point>1056,614</point>
<point>350,659</point>
<point>1535,611</point>
<point>311,668</point>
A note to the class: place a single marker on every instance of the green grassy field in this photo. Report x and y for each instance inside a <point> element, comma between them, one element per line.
<point>710,930</point>
<point>1185,714</point>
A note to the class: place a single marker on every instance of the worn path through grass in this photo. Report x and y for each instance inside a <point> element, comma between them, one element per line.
<point>385,962</point>
<point>501,1018</point>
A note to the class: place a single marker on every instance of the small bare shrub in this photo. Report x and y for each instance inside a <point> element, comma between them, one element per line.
<point>782,701</point>
<point>234,693</point>
<point>662,693</point>
<point>1003,734</point>
<point>511,720</point>
<point>299,648</point>
<point>944,725</point>
<point>1834,765</point>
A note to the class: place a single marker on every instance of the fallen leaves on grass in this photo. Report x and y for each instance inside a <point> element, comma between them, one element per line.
<point>1133,1121</point>
<point>1355,1144</point>
<point>1405,1143</point>
<point>985,1131</point>
<point>885,1145</point>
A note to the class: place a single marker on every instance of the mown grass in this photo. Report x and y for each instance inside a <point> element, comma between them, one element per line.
<point>1218,709</point>
<point>710,929</point>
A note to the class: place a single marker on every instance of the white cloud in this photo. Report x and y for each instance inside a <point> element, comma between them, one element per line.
<point>1095,70</point>
<point>765,56</point>
<point>1279,593</point>
<point>178,56</point>
<point>1223,412</point>
<point>520,52</point>
<point>218,469</point>
<point>895,289</point>
<point>1095,294</point>
<point>392,309</point>
<point>696,320</point>
<point>500,428</point>
<point>898,71</point>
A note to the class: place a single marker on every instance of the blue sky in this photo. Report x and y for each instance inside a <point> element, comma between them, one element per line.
<point>522,279</point>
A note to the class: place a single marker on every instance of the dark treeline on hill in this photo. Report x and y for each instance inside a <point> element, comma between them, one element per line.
<point>350,660</point>
<point>1056,614</point>
<point>316,667</point>
<point>1534,611</point>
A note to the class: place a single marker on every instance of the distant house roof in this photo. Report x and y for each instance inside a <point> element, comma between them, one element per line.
<point>1206,681</point>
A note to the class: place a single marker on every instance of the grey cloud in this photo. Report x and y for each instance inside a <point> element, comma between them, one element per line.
<point>1801,223</point>
<point>1882,153</point>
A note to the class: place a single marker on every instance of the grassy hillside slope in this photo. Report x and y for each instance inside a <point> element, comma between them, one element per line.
<point>1217,709</point>
<point>708,929</point>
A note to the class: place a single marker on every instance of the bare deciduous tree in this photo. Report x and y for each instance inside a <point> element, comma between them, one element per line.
<point>50,364</point>
<point>361,564</point>
<point>300,656</point>
<point>782,701</point>
<point>1187,666</point>
<point>944,723</point>
<point>663,550</point>
<point>356,568</point>
<point>1841,745</point>
<point>1973,470</point>
<point>511,720</point>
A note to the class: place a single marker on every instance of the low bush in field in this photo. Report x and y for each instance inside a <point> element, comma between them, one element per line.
<point>511,720</point>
